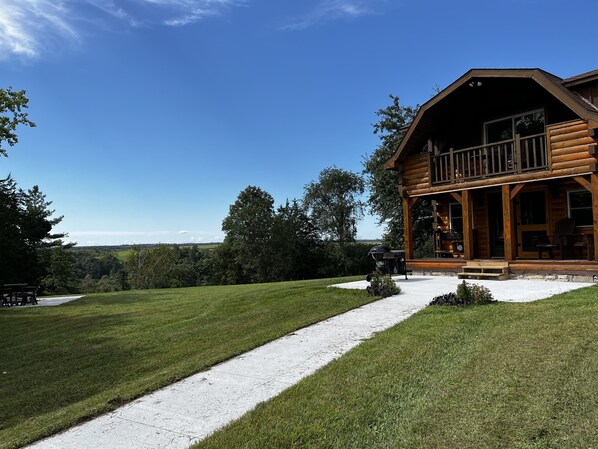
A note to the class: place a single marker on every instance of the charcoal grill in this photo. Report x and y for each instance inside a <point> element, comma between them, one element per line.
<point>388,261</point>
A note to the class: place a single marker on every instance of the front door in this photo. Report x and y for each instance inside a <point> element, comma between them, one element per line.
<point>532,222</point>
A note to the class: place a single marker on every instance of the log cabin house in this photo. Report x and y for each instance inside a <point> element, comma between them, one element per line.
<point>506,156</point>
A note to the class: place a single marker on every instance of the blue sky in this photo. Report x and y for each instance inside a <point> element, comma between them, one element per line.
<point>154,114</point>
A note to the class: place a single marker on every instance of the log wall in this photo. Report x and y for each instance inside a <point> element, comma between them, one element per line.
<point>416,173</point>
<point>569,148</point>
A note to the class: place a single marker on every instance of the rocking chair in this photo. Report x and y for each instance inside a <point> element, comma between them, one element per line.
<point>563,239</point>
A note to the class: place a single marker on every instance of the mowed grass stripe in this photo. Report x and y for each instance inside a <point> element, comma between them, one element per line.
<point>61,365</point>
<point>496,376</point>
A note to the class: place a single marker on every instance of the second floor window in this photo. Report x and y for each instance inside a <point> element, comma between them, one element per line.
<point>506,128</point>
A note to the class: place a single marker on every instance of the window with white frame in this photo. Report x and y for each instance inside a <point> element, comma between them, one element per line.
<point>580,207</point>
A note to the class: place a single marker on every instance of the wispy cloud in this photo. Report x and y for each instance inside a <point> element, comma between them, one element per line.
<point>116,11</point>
<point>28,28</point>
<point>24,22</point>
<point>328,10</point>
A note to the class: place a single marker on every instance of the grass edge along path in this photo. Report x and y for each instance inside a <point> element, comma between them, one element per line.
<point>63,365</point>
<point>505,375</point>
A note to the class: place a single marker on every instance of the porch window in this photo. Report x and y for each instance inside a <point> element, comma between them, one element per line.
<point>456,217</point>
<point>580,207</point>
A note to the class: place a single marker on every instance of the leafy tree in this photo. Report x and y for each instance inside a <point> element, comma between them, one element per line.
<point>59,275</point>
<point>345,260</point>
<point>295,244</point>
<point>196,266</point>
<point>383,185</point>
<point>334,205</point>
<point>152,267</point>
<point>92,266</point>
<point>12,104</point>
<point>248,228</point>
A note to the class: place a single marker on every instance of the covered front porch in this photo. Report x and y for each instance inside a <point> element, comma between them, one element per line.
<point>573,270</point>
<point>520,223</point>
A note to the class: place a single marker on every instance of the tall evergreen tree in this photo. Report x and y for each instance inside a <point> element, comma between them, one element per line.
<point>26,222</point>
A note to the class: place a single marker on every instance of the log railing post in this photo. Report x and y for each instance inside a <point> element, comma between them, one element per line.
<point>518,152</point>
<point>452,161</point>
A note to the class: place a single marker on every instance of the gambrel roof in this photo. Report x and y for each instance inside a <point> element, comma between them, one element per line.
<point>552,84</point>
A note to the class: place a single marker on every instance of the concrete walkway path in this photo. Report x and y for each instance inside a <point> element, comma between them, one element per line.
<point>184,413</point>
<point>56,300</point>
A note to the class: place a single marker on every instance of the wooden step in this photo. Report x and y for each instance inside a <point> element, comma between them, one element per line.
<point>479,275</point>
<point>482,269</point>
<point>469,269</point>
<point>487,263</point>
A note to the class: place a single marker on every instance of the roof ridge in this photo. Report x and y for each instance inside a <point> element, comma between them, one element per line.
<point>581,76</point>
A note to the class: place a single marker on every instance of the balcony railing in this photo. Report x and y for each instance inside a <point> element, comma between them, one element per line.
<point>519,155</point>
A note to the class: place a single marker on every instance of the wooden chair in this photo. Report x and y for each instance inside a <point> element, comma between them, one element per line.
<point>584,241</point>
<point>439,237</point>
<point>564,239</point>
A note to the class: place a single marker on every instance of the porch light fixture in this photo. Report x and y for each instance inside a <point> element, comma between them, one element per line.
<point>475,84</point>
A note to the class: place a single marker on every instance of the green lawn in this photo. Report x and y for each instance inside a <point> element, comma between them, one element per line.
<point>496,376</point>
<point>61,365</point>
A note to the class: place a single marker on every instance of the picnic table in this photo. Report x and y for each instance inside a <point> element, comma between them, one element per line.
<point>18,294</point>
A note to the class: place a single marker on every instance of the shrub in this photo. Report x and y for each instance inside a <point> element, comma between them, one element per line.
<point>467,294</point>
<point>480,294</point>
<point>383,285</point>
<point>448,299</point>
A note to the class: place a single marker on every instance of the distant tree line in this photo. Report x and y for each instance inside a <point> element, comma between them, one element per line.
<point>301,239</point>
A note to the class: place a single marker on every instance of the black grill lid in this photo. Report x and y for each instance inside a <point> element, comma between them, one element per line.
<point>379,249</point>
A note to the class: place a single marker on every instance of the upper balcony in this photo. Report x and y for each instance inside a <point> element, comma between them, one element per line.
<point>516,156</point>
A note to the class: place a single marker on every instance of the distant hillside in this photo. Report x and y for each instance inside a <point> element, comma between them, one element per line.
<point>153,245</point>
<point>144,245</point>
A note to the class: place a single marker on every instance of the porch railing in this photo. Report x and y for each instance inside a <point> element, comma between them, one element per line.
<point>519,155</point>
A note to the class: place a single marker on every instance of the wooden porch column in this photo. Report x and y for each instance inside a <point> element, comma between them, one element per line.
<point>467,225</point>
<point>594,177</point>
<point>408,227</point>
<point>508,223</point>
